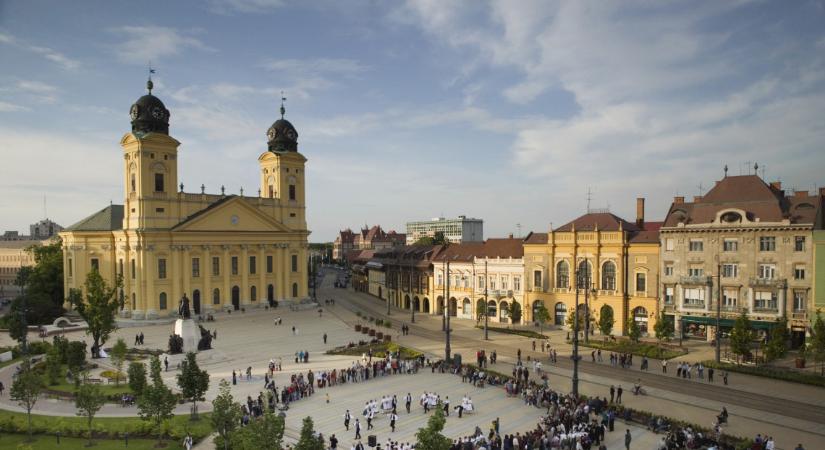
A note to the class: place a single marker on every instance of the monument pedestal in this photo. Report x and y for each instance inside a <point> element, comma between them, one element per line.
<point>188,330</point>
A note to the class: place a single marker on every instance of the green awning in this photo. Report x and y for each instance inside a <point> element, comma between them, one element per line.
<point>728,323</point>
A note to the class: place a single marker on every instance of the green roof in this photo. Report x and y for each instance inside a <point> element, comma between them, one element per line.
<point>107,219</point>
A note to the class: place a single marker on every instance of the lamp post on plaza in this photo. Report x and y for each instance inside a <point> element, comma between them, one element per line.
<point>412,300</point>
<point>447,312</point>
<point>486,306</point>
<point>718,343</point>
<point>576,338</point>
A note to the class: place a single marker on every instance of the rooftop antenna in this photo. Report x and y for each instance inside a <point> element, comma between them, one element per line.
<point>283,109</point>
<point>589,197</point>
<point>700,188</point>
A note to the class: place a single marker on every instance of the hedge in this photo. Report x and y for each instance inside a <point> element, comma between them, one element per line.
<point>105,427</point>
<point>636,348</point>
<point>525,333</point>
<point>776,373</point>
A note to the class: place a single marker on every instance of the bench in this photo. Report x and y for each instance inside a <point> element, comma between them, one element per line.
<point>94,380</point>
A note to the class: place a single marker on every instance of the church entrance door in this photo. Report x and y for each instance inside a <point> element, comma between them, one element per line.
<point>236,297</point>
<point>196,301</point>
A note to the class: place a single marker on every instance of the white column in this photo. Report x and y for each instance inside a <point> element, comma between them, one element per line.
<point>708,297</point>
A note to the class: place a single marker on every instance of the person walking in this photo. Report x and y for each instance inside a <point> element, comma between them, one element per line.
<point>370,416</point>
<point>447,406</point>
<point>627,439</point>
<point>234,378</point>
<point>619,394</point>
<point>325,338</point>
<point>187,442</point>
<point>408,402</point>
<point>347,418</point>
<point>612,393</point>
<point>710,374</point>
<point>333,442</point>
<point>2,388</point>
<point>166,363</point>
<point>393,418</point>
<point>357,429</point>
<point>725,378</point>
<point>664,366</point>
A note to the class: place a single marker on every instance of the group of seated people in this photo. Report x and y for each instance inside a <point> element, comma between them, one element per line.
<point>127,400</point>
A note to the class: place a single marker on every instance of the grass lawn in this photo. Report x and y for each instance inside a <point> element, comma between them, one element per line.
<point>379,350</point>
<point>14,422</point>
<point>18,441</point>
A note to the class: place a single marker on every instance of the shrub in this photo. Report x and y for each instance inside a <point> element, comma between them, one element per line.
<point>525,333</point>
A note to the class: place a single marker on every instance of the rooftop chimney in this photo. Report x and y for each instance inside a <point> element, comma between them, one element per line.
<point>640,212</point>
<point>678,200</point>
<point>697,198</point>
<point>510,236</point>
<point>776,185</point>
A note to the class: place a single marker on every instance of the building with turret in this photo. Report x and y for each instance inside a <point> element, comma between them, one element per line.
<point>222,251</point>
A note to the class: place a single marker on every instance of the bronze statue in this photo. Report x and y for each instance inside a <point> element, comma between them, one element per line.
<point>183,309</point>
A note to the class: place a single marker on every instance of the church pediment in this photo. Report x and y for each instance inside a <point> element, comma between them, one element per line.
<point>231,214</point>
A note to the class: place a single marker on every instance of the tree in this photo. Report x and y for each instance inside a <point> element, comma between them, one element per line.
<point>99,307</point>
<point>504,310</point>
<point>424,240</point>
<point>137,377</point>
<point>88,401</point>
<point>53,366</point>
<point>118,357</point>
<point>663,329</point>
<point>193,382</point>
<point>542,316</point>
<point>778,343</point>
<point>26,389</point>
<point>633,330</point>
<point>816,348</point>
<point>606,320</point>
<point>440,239</point>
<point>430,437</point>
<point>264,433</point>
<point>226,414</point>
<point>571,320</point>
<point>43,283</point>
<point>308,440</point>
<point>515,312</point>
<point>76,358</point>
<point>157,401</point>
<point>741,336</point>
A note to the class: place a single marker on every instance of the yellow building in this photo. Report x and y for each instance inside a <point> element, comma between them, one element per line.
<point>620,258</point>
<point>221,251</point>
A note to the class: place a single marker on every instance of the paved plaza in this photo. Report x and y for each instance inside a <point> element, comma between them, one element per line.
<point>789,412</point>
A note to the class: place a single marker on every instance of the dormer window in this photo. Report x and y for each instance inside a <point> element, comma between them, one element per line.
<point>731,217</point>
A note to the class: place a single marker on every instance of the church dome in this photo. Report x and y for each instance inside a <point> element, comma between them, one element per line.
<point>149,114</point>
<point>282,136</point>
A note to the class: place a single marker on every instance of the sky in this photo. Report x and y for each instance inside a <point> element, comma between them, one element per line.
<point>509,111</point>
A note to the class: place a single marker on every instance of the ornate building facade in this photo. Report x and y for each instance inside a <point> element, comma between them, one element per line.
<point>221,251</point>
<point>619,260</point>
<point>746,245</point>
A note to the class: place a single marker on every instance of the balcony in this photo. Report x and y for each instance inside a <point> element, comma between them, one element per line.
<point>799,315</point>
<point>561,290</point>
<point>694,280</point>
<point>769,309</point>
<point>607,292</point>
<point>499,293</point>
<point>693,305</point>
<point>537,289</point>
<point>669,308</point>
<point>763,282</point>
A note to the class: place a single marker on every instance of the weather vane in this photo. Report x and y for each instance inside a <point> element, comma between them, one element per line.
<point>283,110</point>
<point>149,84</point>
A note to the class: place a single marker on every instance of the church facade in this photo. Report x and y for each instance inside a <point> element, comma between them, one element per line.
<point>223,252</point>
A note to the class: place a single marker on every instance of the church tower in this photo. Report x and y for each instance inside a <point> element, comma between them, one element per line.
<point>150,161</point>
<point>282,172</point>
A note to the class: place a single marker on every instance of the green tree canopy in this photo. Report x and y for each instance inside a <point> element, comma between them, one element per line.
<point>118,357</point>
<point>157,401</point>
<point>816,347</point>
<point>43,287</point>
<point>263,433</point>
<point>88,401</point>
<point>663,328</point>
<point>430,437</point>
<point>741,336</point>
<point>515,312</point>
<point>778,342</point>
<point>26,389</point>
<point>542,316</point>
<point>308,440</point>
<point>226,414</point>
<point>606,320</point>
<point>192,381</point>
<point>137,377</point>
<point>633,330</point>
<point>98,308</point>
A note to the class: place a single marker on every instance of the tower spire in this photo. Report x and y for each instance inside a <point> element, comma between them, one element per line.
<point>283,109</point>
<point>149,84</point>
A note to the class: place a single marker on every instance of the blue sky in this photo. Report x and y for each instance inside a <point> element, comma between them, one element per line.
<point>504,110</point>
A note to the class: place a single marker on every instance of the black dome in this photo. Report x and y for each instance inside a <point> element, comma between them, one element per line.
<point>149,114</point>
<point>282,137</point>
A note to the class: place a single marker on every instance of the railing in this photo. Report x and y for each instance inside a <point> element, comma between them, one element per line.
<point>799,315</point>
<point>696,305</point>
<point>766,309</point>
<point>563,290</point>
<point>763,282</point>
<point>537,289</point>
<point>607,292</point>
<point>694,279</point>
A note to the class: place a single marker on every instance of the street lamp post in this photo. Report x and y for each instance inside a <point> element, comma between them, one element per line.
<point>576,339</point>
<point>718,310</point>
<point>486,306</point>
<point>412,300</point>
<point>447,312</point>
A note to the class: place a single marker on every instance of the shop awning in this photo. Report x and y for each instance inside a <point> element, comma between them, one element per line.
<point>728,323</point>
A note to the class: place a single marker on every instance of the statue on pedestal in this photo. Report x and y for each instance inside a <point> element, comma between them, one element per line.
<point>183,309</point>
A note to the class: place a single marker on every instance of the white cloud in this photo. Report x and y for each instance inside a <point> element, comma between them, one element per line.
<point>11,107</point>
<point>153,43</point>
<point>320,65</point>
<point>46,52</point>
<point>244,6</point>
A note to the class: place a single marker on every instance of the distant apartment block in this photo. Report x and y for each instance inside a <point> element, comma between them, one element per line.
<point>458,230</point>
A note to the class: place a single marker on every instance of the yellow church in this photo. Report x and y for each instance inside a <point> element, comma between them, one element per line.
<point>223,252</point>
